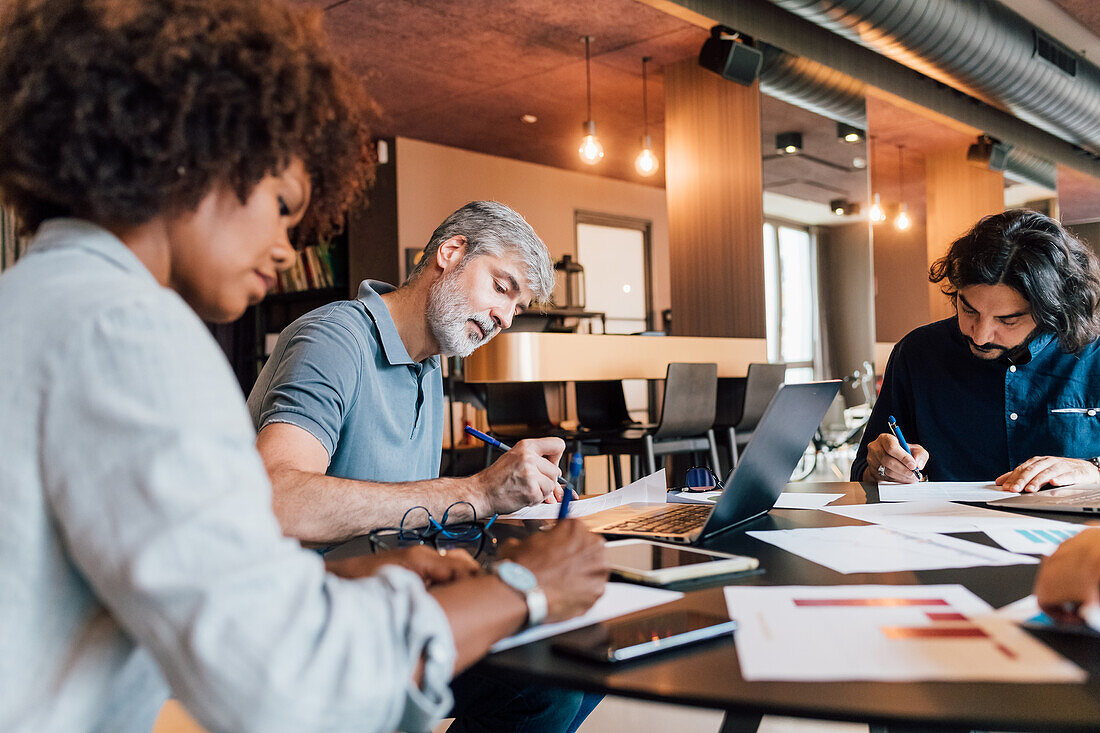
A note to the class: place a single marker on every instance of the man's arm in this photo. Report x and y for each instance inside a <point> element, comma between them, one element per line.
<point>1035,473</point>
<point>314,507</point>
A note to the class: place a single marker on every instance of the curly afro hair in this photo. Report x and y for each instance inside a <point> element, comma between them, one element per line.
<point>119,110</point>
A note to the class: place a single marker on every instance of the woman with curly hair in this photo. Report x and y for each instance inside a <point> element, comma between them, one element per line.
<point>161,151</point>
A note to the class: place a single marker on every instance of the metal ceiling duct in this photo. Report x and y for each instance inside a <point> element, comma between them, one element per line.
<point>812,86</point>
<point>980,47</point>
<point>833,94</point>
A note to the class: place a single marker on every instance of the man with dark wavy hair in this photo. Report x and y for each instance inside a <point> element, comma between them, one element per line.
<point>1007,389</point>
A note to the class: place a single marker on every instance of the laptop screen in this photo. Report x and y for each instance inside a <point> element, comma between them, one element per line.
<point>769,459</point>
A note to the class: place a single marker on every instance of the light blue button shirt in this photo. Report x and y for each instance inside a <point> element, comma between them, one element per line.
<point>138,549</point>
<point>342,373</point>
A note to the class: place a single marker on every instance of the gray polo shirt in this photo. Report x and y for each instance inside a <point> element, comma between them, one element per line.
<point>342,373</point>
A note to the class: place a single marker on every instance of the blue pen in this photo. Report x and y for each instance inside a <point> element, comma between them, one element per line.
<point>504,446</point>
<point>901,439</point>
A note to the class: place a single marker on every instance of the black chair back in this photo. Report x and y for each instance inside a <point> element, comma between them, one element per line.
<point>690,396</point>
<point>601,405</point>
<point>741,403</point>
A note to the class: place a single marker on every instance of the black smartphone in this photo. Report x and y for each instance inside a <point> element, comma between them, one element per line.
<point>621,640</point>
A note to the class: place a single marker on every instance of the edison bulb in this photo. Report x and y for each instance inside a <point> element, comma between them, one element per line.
<point>876,213</point>
<point>590,150</point>
<point>646,163</point>
<point>902,221</point>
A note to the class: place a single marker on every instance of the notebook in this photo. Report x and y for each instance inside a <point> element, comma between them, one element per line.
<point>752,488</point>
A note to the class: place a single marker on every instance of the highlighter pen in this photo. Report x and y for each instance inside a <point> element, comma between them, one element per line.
<point>504,446</point>
<point>901,439</point>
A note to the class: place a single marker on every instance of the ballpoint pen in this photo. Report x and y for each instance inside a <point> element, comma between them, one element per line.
<point>484,438</point>
<point>893,424</point>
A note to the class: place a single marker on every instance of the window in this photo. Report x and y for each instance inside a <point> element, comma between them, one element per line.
<point>790,292</point>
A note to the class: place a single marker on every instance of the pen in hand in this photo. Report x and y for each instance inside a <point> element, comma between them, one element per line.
<point>566,494</point>
<point>901,439</point>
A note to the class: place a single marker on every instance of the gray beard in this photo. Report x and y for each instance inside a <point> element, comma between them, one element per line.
<point>448,313</point>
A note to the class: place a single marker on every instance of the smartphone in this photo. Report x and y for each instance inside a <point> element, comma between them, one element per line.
<point>622,640</point>
<point>658,563</point>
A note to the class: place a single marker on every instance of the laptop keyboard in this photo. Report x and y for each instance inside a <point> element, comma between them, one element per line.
<point>675,519</point>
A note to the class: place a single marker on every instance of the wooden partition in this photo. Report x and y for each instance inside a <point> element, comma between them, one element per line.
<point>714,185</point>
<point>959,194</point>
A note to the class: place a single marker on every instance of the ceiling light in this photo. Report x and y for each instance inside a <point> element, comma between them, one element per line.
<point>844,207</point>
<point>646,163</point>
<point>877,213</point>
<point>788,143</point>
<point>848,133</point>
<point>529,119</point>
<point>591,151</point>
<point>902,220</point>
<point>859,163</point>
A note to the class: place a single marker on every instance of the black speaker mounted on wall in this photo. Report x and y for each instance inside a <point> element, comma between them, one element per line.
<point>728,54</point>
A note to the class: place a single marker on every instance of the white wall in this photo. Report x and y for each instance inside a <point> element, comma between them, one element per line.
<point>434,180</point>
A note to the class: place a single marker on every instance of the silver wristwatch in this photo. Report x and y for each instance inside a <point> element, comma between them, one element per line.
<point>524,582</point>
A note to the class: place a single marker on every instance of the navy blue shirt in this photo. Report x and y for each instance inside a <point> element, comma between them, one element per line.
<point>980,418</point>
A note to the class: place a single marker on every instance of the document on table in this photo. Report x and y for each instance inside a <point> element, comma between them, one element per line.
<point>1036,541</point>
<point>878,549</point>
<point>649,489</point>
<point>618,599</point>
<point>884,632</point>
<point>942,491</point>
<point>787,500</point>
<point>940,516</point>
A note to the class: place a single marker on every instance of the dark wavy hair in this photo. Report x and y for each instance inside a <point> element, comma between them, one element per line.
<point>119,110</point>
<point>1031,253</point>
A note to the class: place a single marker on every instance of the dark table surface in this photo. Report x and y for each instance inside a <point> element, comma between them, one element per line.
<point>708,675</point>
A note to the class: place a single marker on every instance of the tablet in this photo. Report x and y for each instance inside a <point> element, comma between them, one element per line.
<point>622,640</point>
<point>658,563</point>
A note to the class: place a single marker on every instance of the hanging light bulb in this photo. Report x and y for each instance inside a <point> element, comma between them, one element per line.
<point>902,220</point>
<point>646,163</point>
<point>591,151</point>
<point>877,213</point>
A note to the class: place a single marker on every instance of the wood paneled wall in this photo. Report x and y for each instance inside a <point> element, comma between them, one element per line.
<point>959,194</point>
<point>715,204</point>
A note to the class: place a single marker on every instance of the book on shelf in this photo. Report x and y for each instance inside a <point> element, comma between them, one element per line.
<point>312,270</point>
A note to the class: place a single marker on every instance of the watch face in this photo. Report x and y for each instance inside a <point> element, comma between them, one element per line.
<point>517,576</point>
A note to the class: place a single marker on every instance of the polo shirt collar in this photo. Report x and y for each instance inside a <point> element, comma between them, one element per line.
<point>370,295</point>
<point>67,233</point>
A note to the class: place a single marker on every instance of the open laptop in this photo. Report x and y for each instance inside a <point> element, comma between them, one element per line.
<point>1076,499</point>
<point>752,488</point>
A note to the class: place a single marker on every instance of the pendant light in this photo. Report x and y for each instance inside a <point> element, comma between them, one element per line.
<point>591,151</point>
<point>646,163</point>
<point>876,213</point>
<point>902,220</point>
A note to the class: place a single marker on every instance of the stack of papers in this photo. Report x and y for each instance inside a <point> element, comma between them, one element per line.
<point>1037,540</point>
<point>890,633</point>
<point>650,489</point>
<point>877,549</point>
<point>940,516</point>
<point>941,491</point>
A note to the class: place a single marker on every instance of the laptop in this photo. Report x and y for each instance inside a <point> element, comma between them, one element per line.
<point>752,488</point>
<point>1076,499</point>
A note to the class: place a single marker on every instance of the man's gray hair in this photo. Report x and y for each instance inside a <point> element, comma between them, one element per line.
<point>491,228</point>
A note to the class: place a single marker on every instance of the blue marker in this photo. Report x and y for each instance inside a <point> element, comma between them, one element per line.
<point>901,439</point>
<point>504,446</point>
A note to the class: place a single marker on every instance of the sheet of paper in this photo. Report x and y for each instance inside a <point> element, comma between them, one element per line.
<point>939,516</point>
<point>798,500</point>
<point>787,500</point>
<point>618,600</point>
<point>884,632</point>
<point>878,549</point>
<point>941,491</point>
<point>1035,540</point>
<point>649,489</point>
